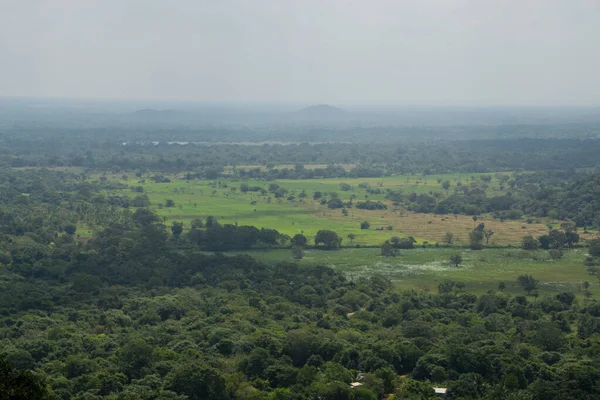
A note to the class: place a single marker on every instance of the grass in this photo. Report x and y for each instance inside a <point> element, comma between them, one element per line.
<point>426,268</point>
<point>224,200</point>
<point>423,268</point>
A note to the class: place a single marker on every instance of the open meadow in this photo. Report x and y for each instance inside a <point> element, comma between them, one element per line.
<point>291,215</point>
<point>426,268</point>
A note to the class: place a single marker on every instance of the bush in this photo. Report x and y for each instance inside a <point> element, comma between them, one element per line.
<point>365,225</point>
<point>555,254</point>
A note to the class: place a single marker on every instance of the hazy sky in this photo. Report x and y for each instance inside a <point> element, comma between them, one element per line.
<point>458,52</point>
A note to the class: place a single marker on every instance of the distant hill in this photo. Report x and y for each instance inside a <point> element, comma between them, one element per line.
<point>322,111</point>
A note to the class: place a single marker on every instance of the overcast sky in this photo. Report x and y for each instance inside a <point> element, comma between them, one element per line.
<point>443,52</point>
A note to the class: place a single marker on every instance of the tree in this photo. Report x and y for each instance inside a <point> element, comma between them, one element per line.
<point>169,203</point>
<point>297,252</point>
<point>528,283</point>
<point>211,221</point>
<point>475,218</point>
<point>571,235</point>
<point>388,250</point>
<point>475,239</point>
<point>529,243</point>
<point>455,260</point>
<point>544,241</point>
<point>449,237</point>
<point>176,229</point>
<point>365,225</point>
<point>557,239</point>
<point>488,233</point>
<point>136,355</point>
<point>317,195</point>
<point>18,384</point>
<point>329,239</point>
<point>351,236</point>
<point>501,286</point>
<point>198,382</point>
<point>299,240</point>
<point>594,249</point>
<point>70,229</point>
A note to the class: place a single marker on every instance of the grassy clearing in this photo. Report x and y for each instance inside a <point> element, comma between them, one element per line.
<point>480,270</point>
<point>199,199</point>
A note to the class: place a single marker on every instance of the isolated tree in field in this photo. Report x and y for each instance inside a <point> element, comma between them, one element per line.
<point>501,286</point>
<point>488,233</point>
<point>328,239</point>
<point>528,283</point>
<point>299,240</point>
<point>475,218</point>
<point>169,203</point>
<point>365,225</point>
<point>317,195</point>
<point>475,240</point>
<point>351,236</point>
<point>345,187</point>
<point>297,252</point>
<point>529,243</point>
<point>455,260</point>
<point>449,237</point>
<point>446,185</point>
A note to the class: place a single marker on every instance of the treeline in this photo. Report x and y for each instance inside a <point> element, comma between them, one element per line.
<point>107,151</point>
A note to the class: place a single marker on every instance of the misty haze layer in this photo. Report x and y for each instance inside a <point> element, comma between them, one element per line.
<point>446,52</point>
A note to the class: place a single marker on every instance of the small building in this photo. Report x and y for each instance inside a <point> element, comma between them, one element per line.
<point>441,392</point>
<point>354,385</point>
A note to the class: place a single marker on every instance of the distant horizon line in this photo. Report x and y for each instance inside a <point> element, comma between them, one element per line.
<point>293,102</point>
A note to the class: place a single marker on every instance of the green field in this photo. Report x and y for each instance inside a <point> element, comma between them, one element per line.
<point>421,268</point>
<point>223,200</point>
<point>480,270</point>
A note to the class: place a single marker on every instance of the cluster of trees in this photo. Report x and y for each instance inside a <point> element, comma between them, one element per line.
<point>212,236</point>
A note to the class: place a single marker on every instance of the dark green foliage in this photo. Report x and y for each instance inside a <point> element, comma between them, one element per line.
<point>476,239</point>
<point>594,249</point>
<point>328,239</point>
<point>528,283</point>
<point>455,260</point>
<point>529,243</point>
<point>388,250</point>
<point>198,382</point>
<point>17,384</point>
<point>371,205</point>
